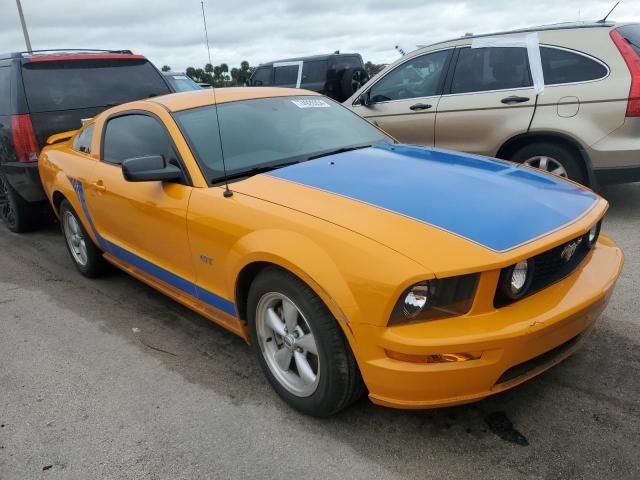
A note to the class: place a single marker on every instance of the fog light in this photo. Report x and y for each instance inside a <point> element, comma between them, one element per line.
<point>593,234</point>
<point>516,280</point>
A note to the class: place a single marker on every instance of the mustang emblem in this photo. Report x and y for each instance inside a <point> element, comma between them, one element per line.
<point>570,249</point>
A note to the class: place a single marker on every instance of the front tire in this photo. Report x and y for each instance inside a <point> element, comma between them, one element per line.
<point>85,255</point>
<point>552,158</point>
<point>300,345</point>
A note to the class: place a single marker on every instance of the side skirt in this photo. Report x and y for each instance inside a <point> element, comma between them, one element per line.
<point>231,323</point>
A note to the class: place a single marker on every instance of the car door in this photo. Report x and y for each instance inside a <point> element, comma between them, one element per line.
<point>287,74</point>
<point>142,223</point>
<point>489,99</point>
<point>404,101</point>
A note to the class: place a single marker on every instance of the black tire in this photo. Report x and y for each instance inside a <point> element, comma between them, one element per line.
<point>351,80</point>
<point>17,214</point>
<point>95,265</point>
<point>569,160</point>
<point>339,383</point>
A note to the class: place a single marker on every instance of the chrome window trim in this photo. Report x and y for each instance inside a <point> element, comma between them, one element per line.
<point>355,103</point>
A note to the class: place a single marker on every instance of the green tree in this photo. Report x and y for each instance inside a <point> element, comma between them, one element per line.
<point>166,68</point>
<point>373,68</point>
<point>191,72</point>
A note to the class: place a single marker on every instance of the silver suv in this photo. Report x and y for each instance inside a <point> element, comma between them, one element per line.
<point>580,119</point>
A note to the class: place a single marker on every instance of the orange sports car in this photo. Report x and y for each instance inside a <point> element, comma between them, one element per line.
<point>350,262</point>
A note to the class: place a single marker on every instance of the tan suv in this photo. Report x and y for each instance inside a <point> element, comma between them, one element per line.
<point>585,124</point>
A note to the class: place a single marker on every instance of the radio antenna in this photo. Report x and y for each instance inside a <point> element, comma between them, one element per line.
<point>607,15</point>
<point>227,192</point>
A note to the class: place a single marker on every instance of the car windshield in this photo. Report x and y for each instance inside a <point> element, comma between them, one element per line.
<point>261,134</point>
<point>182,83</point>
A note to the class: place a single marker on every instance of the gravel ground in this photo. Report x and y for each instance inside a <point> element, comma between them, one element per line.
<point>85,394</point>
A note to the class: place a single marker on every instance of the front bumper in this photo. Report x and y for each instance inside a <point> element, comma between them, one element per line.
<point>514,343</point>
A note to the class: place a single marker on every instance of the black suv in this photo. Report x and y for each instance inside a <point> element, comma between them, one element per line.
<point>47,92</point>
<point>338,75</point>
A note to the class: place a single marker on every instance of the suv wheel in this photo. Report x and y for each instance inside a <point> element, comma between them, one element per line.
<point>16,213</point>
<point>300,345</point>
<point>552,158</point>
<point>351,81</point>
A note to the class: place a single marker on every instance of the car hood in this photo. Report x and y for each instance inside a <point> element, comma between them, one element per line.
<point>428,203</point>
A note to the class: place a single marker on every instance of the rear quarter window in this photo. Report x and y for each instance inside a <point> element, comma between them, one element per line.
<point>82,143</point>
<point>5,91</point>
<point>562,66</point>
<point>75,84</point>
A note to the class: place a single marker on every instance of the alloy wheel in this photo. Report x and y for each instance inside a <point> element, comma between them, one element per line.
<point>75,238</point>
<point>548,164</point>
<point>287,344</point>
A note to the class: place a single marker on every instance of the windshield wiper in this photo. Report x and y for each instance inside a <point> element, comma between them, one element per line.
<point>337,150</point>
<point>253,171</point>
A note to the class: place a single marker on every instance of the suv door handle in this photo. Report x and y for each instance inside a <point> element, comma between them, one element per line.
<point>99,186</point>
<point>420,106</point>
<point>514,99</point>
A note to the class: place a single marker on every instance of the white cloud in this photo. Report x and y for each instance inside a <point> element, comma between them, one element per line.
<point>171,32</point>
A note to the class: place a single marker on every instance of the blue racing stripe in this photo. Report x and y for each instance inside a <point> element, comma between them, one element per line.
<point>152,269</point>
<point>493,203</point>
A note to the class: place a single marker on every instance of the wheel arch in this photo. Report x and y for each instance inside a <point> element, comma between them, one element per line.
<point>512,145</point>
<point>299,256</point>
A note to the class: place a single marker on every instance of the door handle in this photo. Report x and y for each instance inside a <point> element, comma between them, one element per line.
<point>513,99</point>
<point>99,186</point>
<point>420,106</point>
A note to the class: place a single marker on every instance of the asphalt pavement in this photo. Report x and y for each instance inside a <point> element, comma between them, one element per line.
<point>109,379</point>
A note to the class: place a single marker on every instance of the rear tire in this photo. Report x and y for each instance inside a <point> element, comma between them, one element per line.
<point>85,255</point>
<point>553,158</point>
<point>17,214</point>
<point>351,80</point>
<point>332,381</point>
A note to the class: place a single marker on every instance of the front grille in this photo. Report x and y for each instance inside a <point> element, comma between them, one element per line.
<point>548,268</point>
<point>546,358</point>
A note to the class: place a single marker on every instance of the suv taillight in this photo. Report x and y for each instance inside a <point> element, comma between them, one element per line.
<point>633,62</point>
<point>24,139</point>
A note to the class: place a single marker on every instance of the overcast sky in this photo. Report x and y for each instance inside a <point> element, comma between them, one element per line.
<point>171,31</point>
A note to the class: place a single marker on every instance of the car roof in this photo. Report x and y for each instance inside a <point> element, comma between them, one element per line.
<point>185,100</point>
<point>310,58</point>
<point>79,53</point>
<point>539,28</point>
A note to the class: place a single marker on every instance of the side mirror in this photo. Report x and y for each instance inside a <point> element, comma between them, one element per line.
<point>153,168</point>
<point>365,99</point>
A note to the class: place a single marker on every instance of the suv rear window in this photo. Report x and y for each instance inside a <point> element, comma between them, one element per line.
<point>72,84</point>
<point>632,34</point>
<point>561,66</point>
<point>5,105</point>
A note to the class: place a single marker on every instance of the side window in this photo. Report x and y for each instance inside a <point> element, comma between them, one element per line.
<point>486,69</point>
<point>285,75</point>
<point>135,135</point>
<point>562,66</point>
<point>5,91</point>
<point>419,77</point>
<point>262,76</point>
<point>314,71</point>
<point>82,143</point>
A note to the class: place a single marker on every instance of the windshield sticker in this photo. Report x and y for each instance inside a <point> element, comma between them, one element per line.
<point>180,77</point>
<point>311,103</point>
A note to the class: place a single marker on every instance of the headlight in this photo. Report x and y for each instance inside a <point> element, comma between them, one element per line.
<point>594,233</point>
<point>516,280</point>
<point>435,299</point>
